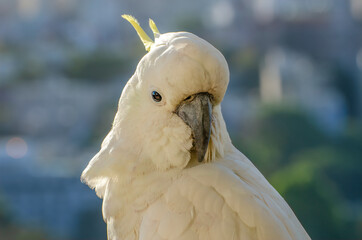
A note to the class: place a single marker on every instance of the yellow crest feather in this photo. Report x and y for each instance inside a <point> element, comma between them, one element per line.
<point>154,28</point>
<point>141,33</point>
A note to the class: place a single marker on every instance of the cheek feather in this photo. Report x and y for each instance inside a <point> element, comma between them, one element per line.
<point>169,146</point>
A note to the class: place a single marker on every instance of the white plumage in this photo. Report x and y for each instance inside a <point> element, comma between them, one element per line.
<point>147,171</point>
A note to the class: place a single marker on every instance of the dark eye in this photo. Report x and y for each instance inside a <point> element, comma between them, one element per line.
<point>156,96</point>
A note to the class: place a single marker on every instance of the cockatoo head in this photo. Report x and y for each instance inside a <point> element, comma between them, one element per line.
<point>169,109</point>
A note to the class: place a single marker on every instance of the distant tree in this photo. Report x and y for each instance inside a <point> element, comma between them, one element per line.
<point>95,66</point>
<point>319,176</point>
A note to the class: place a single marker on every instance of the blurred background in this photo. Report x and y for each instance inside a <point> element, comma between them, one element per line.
<point>294,103</point>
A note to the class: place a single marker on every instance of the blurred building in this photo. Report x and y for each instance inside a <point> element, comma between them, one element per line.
<point>293,78</point>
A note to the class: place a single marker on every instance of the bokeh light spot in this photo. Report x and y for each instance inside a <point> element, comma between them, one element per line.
<point>16,147</point>
<point>222,14</point>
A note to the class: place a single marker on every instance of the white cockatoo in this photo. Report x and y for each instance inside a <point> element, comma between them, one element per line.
<point>167,169</point>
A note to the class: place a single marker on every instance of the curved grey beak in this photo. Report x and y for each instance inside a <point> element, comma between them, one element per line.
<point>196,112</point>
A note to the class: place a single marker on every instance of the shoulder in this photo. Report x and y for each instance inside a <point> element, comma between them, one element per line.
<point>211,201</point>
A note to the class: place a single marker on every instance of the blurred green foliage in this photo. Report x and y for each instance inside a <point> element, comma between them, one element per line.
<point>90,219</point>
<point>319,175</point>
<point>94,66</point>
<point>9,229</point>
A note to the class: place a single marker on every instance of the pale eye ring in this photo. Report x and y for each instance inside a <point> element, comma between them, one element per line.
<point>156,96</point>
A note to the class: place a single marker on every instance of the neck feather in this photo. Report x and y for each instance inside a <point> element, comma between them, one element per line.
<point>219,139</point>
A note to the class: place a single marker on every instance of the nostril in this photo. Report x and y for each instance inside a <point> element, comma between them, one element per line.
<point>189,98</point>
